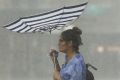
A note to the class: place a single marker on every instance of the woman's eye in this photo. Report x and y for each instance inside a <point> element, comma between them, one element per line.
<point>61,40</point>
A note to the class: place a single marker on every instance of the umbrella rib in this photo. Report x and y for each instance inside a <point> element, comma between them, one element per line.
<point>55,16</point>
<point>68,7</point>
<point>31,26</point>
<point>56,20</point>
<point>47,21</point>
<point>54,23</point>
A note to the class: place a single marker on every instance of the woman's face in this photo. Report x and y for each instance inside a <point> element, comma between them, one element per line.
<point>63,45</point>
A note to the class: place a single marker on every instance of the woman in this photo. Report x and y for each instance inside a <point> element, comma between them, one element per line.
<point>74,67</point>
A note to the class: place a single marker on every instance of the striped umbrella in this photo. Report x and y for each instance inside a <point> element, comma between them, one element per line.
<point>49,21</point>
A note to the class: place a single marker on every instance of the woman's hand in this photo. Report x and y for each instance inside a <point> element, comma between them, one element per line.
<point>56,75</point>
<point>54,55</point>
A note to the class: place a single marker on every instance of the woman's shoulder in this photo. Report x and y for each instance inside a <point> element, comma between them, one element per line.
<point>76,60</point>
<point>79,57</point>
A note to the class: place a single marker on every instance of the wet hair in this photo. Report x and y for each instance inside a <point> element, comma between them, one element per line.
<point>73,35</point>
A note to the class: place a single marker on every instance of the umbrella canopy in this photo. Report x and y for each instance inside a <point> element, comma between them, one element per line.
<point>47,21</point>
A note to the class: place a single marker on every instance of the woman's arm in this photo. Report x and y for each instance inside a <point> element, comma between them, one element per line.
<point>56,65</point>
<point>56,73</point>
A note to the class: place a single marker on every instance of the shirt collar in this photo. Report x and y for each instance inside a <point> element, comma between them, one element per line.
<point>72,59</point>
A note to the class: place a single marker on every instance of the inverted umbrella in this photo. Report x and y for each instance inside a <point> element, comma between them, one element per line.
<point>47,21</point>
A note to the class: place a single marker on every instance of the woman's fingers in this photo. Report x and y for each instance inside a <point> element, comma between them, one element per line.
<point>54,53</point>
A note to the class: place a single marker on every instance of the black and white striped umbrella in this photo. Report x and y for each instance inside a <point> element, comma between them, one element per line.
<point>48,21</point>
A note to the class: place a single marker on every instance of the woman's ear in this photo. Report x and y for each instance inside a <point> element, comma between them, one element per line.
<point>70,43</point>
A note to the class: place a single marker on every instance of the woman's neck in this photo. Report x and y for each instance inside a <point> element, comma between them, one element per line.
<point>70,54</point>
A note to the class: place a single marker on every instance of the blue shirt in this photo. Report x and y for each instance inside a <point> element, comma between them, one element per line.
<point>75,69</point>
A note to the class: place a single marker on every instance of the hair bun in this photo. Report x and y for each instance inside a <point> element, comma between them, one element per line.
<point>77,30</point>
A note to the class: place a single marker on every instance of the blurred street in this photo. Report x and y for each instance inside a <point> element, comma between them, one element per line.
<point>25,56</point>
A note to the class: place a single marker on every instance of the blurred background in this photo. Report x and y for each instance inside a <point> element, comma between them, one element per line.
<point>25,56</point>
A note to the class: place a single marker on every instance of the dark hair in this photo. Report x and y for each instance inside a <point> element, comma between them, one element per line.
<point>74,36</point>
